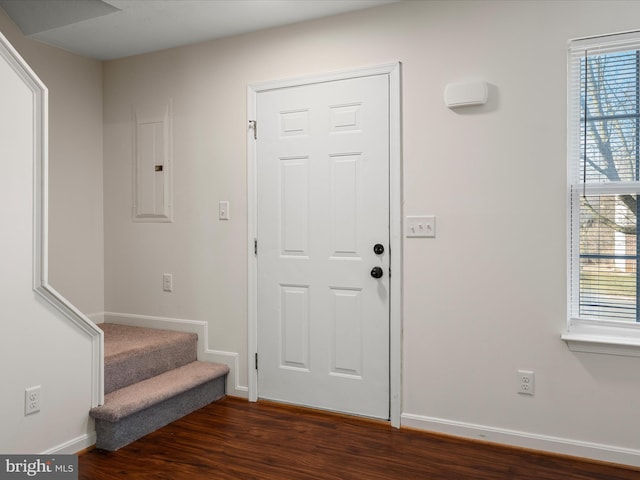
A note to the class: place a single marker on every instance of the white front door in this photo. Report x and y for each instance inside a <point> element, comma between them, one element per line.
<point>322,207</point>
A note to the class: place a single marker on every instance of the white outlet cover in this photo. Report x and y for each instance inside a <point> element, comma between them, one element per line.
<point>526,382</point>
<point>167,282</point>
<point>32,400</point>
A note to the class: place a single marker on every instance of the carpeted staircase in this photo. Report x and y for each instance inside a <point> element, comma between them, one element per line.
<point>151,378</point>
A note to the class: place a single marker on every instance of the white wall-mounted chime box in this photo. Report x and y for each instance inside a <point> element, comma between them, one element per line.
<point>464,94</point>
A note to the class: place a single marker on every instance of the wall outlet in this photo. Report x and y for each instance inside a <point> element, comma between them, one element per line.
<point>32,400</point>
<point>167,282</point>
<point>526,382</point>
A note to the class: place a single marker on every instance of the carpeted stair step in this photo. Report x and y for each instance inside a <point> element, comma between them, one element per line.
<point>136,410</point>
<point>133,354</point>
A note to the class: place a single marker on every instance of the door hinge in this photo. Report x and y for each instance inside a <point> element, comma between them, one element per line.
<point>256,360</point>
<point>253,124</point>
<point>255,246</point>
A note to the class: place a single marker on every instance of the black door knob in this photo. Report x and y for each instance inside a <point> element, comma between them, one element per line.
<point>378,249</point>
<point>376,272</point>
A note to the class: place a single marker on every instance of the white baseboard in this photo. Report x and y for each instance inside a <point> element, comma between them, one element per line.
<point>195,326</point>
<point>74,445</point>
<point>558,445</point>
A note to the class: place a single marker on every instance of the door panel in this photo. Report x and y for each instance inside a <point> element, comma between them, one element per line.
<point>323,203</point>
<point>294,325</point>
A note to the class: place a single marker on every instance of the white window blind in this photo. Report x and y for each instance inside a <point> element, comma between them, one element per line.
<point>604,176</point>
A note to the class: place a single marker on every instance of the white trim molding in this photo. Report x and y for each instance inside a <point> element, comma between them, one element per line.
<point>546,443</point>
<point>40,220</point>
<point>205,354</point>
<point>604,337</point>
<point>393,71</point>
<point>73,446</point>
<point>90,329</point>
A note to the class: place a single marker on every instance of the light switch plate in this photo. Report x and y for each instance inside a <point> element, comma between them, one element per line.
<point>223,210</point>
<point>420,226</point>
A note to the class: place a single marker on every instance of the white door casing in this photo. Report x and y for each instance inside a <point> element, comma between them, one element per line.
<point>325,242</point>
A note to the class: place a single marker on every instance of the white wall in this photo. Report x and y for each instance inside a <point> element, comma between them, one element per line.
<point>482,300</point>
<point>37,345</point>
<point>75,168</point>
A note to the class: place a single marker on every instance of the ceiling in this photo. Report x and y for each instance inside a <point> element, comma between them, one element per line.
<point>110,29</point>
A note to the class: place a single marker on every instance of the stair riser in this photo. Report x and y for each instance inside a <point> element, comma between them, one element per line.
<point>112,436</point>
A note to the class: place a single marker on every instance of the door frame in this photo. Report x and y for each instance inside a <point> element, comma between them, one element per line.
<point>393,71</point>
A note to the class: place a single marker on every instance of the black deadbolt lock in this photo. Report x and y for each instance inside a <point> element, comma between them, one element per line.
<point>378,249</point>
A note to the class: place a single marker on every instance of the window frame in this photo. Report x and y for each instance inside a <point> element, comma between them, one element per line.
<point>590,334</point>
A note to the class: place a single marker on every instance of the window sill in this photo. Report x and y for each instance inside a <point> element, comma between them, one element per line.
<point>609,338</point>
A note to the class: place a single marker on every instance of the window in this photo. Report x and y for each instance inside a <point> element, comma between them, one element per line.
<point>604,183</point>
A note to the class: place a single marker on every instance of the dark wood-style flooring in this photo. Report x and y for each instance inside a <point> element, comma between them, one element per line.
<point>235,439</point>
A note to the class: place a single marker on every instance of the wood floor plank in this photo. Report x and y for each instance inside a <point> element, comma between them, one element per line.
<point>235,439</point>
